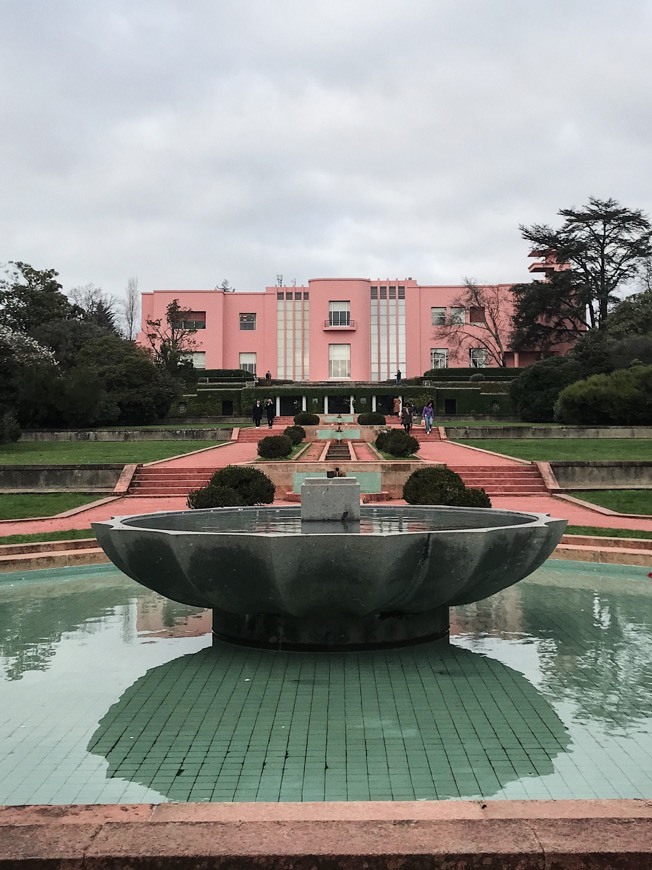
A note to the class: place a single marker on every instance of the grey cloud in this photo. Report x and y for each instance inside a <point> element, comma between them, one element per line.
<point>188,142</point>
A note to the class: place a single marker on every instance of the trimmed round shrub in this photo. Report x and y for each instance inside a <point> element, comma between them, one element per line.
<point>305,418</point>
<point>535,391</point>
<point>274,447</point>
<point>623,397</point>
<point>214,496</point>
<point>439,485</point>
<point>296,434</point>
<point>476,377</point>
<point>475,496</point>
<point>397,442</point>
<point>371,418</point>
<point>251,484</point>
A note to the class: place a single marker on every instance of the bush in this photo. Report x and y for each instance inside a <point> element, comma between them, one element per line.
<point>305,418</point>
<point>251,484</point>
<point>623,397</point>
<point>214,496</point>
<point>476,377</point>
<point>296,434</point>
<point>438,485</point>
<point>397,442</point>
<point>535,391</point>
<point>274,447</point>
<point>9,428</point>
<point>371,418</point>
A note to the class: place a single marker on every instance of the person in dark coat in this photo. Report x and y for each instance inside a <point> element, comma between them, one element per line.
<point>406,418</point>
<point>270,410</point>
<point>257,413</point>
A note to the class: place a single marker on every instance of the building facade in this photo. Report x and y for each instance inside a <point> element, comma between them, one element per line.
<point>335,329</point>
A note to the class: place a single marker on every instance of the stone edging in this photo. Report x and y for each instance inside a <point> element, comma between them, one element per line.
<point>414,835</point>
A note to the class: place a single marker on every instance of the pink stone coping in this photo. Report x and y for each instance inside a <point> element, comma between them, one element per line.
<point>388,835</point>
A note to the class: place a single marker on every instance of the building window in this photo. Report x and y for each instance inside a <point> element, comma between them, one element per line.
<point>194,320</point>
<point>438,316</point>
<point>339,313</point>
<point>247,321</point>
<point>198,359</point>
<point>339,360</point>
<point>457,316</point>
<point>248,362</point>
<point>476,315</point>
<point>438,357</point>
<point>477,357</point>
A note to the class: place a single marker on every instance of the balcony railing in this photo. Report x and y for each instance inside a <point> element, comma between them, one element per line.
<point>329,324</point>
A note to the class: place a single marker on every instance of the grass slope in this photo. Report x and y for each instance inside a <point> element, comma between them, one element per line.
<point>580,449</point>
<point>90,453</point>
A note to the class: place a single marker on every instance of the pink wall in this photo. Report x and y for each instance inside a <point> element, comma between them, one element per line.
<point>223,340</point>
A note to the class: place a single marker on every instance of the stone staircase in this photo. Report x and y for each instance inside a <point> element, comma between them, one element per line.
<point>157,480</point>
<point>503,479</point>
<point>251,435</point>
<point>417,432</point>
<point>338,451</point>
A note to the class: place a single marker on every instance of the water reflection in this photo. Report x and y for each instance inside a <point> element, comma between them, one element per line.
<point>551,668</point>
<point>424,722</point>
<point>287,520</point>
<point>594,637</point>
<point>36,614</point>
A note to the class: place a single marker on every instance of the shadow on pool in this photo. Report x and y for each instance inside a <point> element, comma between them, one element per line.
<point>230,723</point>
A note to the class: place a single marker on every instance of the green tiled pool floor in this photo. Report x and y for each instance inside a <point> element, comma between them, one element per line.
<point>544,692</point>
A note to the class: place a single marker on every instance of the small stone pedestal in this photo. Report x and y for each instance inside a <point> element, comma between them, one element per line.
<point>332,499</point>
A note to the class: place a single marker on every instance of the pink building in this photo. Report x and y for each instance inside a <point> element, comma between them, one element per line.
<point>334,329</point>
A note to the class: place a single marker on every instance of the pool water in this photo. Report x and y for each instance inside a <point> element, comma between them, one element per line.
<point>110,693</point>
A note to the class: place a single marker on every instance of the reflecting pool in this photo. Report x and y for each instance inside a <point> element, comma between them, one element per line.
<point>109,693</point>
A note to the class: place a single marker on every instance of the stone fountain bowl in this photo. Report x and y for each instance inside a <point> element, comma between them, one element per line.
<point>274,580</point>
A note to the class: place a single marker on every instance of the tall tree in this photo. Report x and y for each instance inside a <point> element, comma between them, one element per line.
<point>485,323</point>
<point>99,307</point>
<point>603,247</point>
<point>30,297</point>
<point>171,339</point>
<point>131,308</point>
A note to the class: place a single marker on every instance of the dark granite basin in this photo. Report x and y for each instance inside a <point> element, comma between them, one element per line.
<point>274,580</point>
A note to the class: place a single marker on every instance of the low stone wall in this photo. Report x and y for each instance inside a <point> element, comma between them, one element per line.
<point>83,435</point>
<point>457,835</point>
<point>602,474</point>
<point>392,474</point>
<point>349,432</point>
<point>59,478</point>
<point>465,432</point>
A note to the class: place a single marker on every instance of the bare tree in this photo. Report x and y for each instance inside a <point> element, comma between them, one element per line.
<point>483,320</point>
<point>171,338</point>
<point>131,308</point>
<point>98,306</point>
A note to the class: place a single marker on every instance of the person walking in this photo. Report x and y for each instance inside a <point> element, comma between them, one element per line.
<point>397,406</point>
<point>428,415</point>
<point>270,410</point>
<point>406,418</point>
<point>257,413</point>
<point>398,376</point>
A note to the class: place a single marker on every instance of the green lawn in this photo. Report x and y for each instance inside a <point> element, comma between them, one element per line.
<point>623,501</point>
<point>606,533</point>
<point>69,535</point>
<point>173,426</point>
<point>17,506</point>
<point>550,449</point>
<point>494,424</point>
<point>89,453</point>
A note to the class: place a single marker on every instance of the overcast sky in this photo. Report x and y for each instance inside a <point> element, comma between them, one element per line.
<point>188,141</point>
